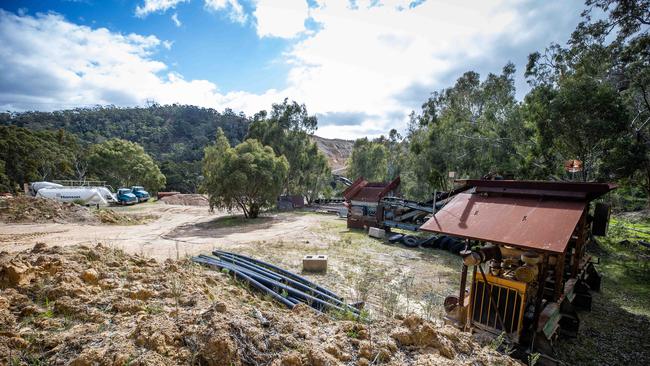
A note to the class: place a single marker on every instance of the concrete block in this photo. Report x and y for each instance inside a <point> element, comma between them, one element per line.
<point>376,232</point>
<point>314,263</point>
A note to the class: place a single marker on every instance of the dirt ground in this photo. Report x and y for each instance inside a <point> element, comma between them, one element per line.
<point>391,279</point>
<point>84,306</point>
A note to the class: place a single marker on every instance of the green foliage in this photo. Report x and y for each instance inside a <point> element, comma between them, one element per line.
<point>369,159</point>
<point>249,176</point>
<point>174,135</point>
<point>27,156</point>
<point>287,130</point>
<point>123,164</point>
<point>473,128</point>
<point>579,119</point>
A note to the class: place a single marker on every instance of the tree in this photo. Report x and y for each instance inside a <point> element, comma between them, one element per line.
<point>287,130</point>
<point>472,128</point>
<point>581,119</point>
<point>249,176</point>
<point>369,159</point>
<point>27,156</point>
<point>174,135</point>
<point>611,46</point>
<point>124,163</point>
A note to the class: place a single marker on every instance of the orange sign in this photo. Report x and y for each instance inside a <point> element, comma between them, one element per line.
<point>573,166</point>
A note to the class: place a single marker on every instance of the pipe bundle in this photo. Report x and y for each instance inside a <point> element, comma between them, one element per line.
<point>286,287</point>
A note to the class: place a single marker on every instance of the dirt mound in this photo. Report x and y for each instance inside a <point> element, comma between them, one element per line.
<point>23,209</point>
<point>186,200</point>
<point>85,306</point>
<point>107,216</point>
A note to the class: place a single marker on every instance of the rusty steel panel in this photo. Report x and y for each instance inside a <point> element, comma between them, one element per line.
<point>362,190</point>
<point>590,190</point>
<point>533,223</point>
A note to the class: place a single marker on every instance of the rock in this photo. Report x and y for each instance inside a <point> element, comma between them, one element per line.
<point>220,350</point>
<point>318,357</point>
<point>291,359</point>
<point>90,276</point>
<point>16,273</point>
<point>141,294</point>
<point>39,247</point>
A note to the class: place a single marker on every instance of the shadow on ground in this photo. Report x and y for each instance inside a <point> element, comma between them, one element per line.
<point>226,225</point>
<point>609,335</point>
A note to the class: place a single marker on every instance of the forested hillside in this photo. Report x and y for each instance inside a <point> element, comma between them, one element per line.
<point>174,135</point>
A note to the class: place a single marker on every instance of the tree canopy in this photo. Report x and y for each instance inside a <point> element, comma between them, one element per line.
<point>249,176</point>
<point>287,130</point>
<point>124,163</point>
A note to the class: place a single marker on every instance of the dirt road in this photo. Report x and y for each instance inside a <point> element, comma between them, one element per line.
<point>357,264</point>
<point>179,231</point>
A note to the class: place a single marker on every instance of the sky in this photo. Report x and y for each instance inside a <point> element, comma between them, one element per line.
<point>360,66</point>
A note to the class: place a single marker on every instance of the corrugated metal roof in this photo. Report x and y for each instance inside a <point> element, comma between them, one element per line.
<point>528,222</point>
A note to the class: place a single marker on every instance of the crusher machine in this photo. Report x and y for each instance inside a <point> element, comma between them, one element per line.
<point>525,269</point>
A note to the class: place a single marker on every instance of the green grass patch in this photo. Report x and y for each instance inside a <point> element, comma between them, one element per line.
<point>626,264</point>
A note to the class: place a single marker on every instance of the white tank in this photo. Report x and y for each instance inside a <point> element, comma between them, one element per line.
<point>89,196</point>
<point>106,193</point>
<point>36,186</point>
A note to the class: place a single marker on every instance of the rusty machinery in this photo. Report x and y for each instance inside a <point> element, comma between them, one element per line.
<point>525,269</point>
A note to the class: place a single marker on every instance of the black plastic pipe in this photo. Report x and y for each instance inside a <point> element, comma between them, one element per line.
<point>252,282</point>
<point>279,270</point>
<point>307,289</point>
<point>300,294</point>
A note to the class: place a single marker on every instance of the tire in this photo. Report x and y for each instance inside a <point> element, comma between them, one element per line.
<point>446,243</point>
<point>410,241</point>
<point>427,242</point>
<point>457,247</point>
<point>436,243</point>
<point>395,238</point>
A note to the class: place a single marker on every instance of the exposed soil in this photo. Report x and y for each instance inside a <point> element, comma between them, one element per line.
<point>186,200</point>
<point>337,152</point>
<point>21,209</point>
<point>97,305</point>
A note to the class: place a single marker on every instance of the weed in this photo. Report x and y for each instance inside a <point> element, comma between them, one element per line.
<point>153,309</point>
<point>352,333</point>
<point>499,343</point>
<point>533,358</point>
<point>49,311</point>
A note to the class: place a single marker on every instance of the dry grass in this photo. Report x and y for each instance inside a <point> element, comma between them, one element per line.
<point>390,279</point>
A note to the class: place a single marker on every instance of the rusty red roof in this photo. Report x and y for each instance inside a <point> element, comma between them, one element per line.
<point>532,223</point>
<point>362,190</point>
<point>528,214</point>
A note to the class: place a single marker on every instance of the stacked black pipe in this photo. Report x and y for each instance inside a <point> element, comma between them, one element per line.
<point>286,287</point>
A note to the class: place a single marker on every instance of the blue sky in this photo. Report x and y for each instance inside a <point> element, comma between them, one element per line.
<point>360,66</point>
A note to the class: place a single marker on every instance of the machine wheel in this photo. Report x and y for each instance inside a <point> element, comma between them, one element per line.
<point>456,247</point>
<point>410,241</point>
<point>436,243</point>
<point>427,242</point>
<point>446,243</point>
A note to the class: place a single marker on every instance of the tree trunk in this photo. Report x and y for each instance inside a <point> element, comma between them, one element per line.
<point>254,211</point>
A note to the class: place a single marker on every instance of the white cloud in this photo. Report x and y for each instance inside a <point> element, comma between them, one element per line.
<point>372,63</point>
<point>176,21</point>
<point>152,6</point>
<point>285,19</point>
<point>371,57</point>
<point>235,10</point>
<point>54,64</point>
